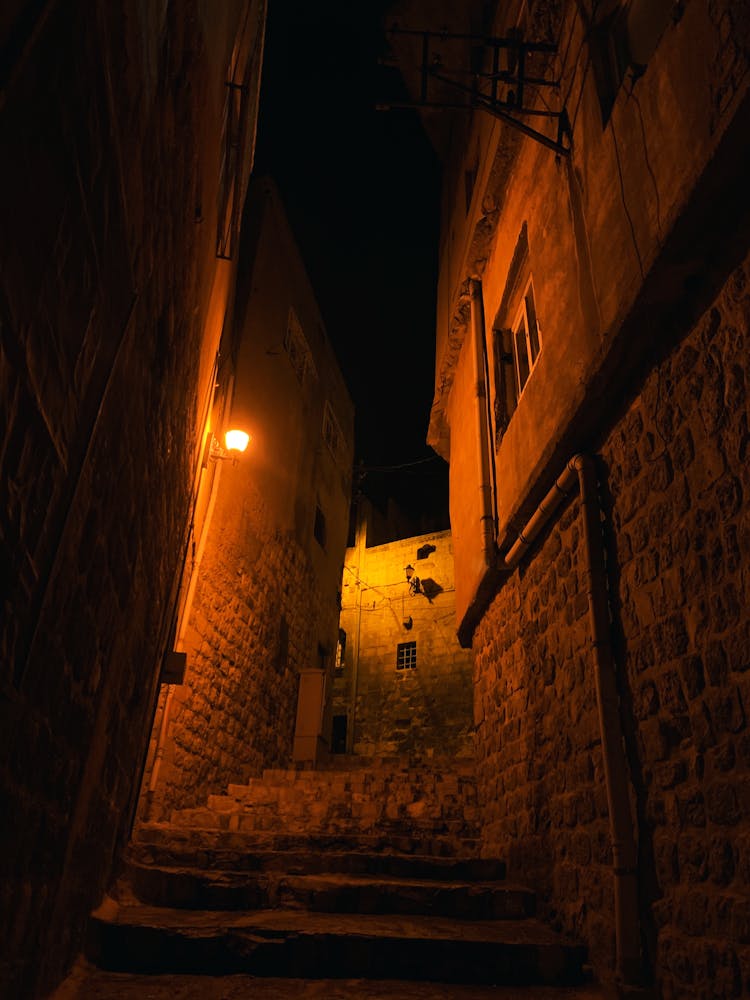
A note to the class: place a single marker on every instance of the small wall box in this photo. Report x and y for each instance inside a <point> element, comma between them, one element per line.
<point>173,668</point>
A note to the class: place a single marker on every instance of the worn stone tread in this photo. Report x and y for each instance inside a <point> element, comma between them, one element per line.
<point>212,856</point>
<point>275,923</point>
<point>390,842</point>
<point>303,944</point>
<point>346,892</point>
<point>322,880</point>
<point>88,983</point>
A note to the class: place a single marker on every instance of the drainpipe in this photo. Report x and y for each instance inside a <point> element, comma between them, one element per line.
<point>487,518</point>
<point>624,853</point>
<point>580,471</point>
<point>360,542</point>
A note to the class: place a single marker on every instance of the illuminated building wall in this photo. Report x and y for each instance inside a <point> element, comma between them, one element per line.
<point>404,685</point>
<point>265,605</point>
<point>594,301</point>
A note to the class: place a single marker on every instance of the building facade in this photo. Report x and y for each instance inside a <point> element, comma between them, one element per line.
<point>590,395</point>
<point>128,135</point>
<point>259,624</point>
<point>403,684</point>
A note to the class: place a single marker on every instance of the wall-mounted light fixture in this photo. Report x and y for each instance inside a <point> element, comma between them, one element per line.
<point>413,581</point>
<point>235,442</point>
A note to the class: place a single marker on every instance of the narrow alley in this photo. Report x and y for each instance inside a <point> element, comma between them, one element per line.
<point>374,525</point>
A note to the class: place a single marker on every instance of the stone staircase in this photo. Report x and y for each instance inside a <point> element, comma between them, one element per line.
<point>351,795</point>
<point>366,869</point>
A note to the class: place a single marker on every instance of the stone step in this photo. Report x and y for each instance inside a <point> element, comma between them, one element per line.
<point>289,943</point>
<point>450,803</point>
<point>332,818</point>
<point>357,778</point>
<point>390,842</point>
<point>209,854</point>
<point>332,892</point>
<point>387,797</point>
<point>437,764</point>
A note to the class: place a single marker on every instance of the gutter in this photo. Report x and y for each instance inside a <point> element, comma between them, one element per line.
<point>481,427</point>
<point>580,473</point>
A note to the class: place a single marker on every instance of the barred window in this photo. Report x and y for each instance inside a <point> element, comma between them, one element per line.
<point>406,656</point>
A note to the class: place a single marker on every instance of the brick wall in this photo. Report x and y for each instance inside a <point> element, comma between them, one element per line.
<point>674,483</point>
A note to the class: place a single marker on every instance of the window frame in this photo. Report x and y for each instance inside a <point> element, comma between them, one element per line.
<point>406,655</point>
<point>320,529</point>
<point>533,351</point>
<point>622,41</point>
<point>340,655</point>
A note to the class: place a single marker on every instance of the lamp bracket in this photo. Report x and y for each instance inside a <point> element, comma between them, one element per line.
<point>214,452</point>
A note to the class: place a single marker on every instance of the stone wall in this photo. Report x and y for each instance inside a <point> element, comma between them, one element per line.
<point>247,640</point>
<point>674,479</point>
<point>421,710</point>
<point>104,280</point>
<point>266,584</point>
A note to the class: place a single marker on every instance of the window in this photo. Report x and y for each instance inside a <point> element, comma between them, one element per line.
<point>319,528</point>
<point>526,345</point>
<point>230,173</point>
<point>338,734</point>
<point>623,39</point>
<point>517,340</point>
<point>297,350</point>
<point>340,653</point>
<point>406,656</point>
<point>237,138</point>
<point>331,430</point>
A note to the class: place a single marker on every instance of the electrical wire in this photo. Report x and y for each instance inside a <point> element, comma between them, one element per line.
<point>393,468</point>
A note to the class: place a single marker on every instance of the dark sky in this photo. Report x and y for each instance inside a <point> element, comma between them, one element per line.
<point>361,189</point>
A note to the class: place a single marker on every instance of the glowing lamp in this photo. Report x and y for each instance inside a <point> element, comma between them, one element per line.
<point>236,440</point>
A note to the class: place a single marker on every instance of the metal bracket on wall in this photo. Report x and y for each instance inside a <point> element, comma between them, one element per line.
<point>502,71</point>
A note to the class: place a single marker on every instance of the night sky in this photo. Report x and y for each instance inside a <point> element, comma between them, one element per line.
<point>361,189</point>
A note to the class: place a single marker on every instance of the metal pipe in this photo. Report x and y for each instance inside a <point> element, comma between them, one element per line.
<point>487,518</point>
<point>360,543</point>
<point>562,488</point>
<point>580,471</point>
<point>624,852</point>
